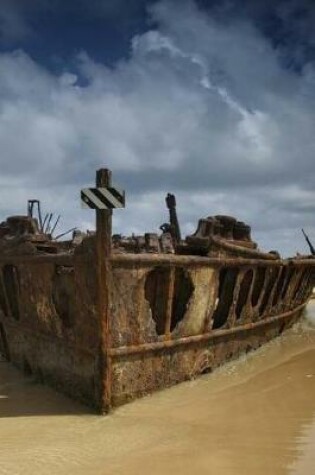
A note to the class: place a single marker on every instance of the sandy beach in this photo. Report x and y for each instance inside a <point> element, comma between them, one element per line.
<point>255,415</point>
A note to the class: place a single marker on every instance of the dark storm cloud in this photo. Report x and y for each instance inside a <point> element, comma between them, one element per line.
<point>53,31</point>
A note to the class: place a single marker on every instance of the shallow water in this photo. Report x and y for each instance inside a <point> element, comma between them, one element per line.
<point>254,416</point>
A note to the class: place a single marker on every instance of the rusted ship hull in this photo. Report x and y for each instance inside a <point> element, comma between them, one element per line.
<point>230,308</point>
<point>158,334</point>
<point>107,320</point>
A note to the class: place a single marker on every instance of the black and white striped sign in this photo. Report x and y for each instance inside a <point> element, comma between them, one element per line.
<point>102,198</point>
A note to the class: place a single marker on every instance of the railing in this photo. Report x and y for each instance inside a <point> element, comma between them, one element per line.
<point>240,292</point>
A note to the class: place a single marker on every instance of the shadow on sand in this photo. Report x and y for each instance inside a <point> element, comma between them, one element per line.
<point>22,395</point>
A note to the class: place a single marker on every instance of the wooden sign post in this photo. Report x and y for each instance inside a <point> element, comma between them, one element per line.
<point>103,252</point>
<point>104,198</point>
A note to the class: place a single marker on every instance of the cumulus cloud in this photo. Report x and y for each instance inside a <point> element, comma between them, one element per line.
<point>200,108</point>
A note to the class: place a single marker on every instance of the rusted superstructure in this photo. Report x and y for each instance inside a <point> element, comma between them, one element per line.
<point>107,321</point>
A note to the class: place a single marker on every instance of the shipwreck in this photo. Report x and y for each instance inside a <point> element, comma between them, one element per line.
<point>107,319</point>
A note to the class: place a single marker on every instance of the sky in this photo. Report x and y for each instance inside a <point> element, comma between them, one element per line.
<point>213,101</point>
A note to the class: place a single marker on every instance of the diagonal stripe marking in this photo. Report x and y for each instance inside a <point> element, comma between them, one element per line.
<point>85,202</point>
<point>102,198</point>
<point>119,194</point>
<point>98,203</point>
<point>110,197</point>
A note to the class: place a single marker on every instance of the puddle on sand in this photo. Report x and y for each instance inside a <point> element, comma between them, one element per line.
<point>253,416</point>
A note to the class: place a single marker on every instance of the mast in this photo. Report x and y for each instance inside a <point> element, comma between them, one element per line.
<point>174,225</point>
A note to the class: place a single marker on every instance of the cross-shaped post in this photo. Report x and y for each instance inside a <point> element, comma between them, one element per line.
<point>104,198</point>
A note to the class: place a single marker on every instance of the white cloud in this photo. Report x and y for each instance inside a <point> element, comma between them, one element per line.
<point>200,108</point>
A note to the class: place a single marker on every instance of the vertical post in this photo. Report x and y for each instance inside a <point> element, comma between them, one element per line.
<point>169,302</point>
<point>103,253</point>
<point>175,229</point>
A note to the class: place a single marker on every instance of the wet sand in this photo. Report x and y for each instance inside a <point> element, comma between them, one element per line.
<point>254,416</point>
